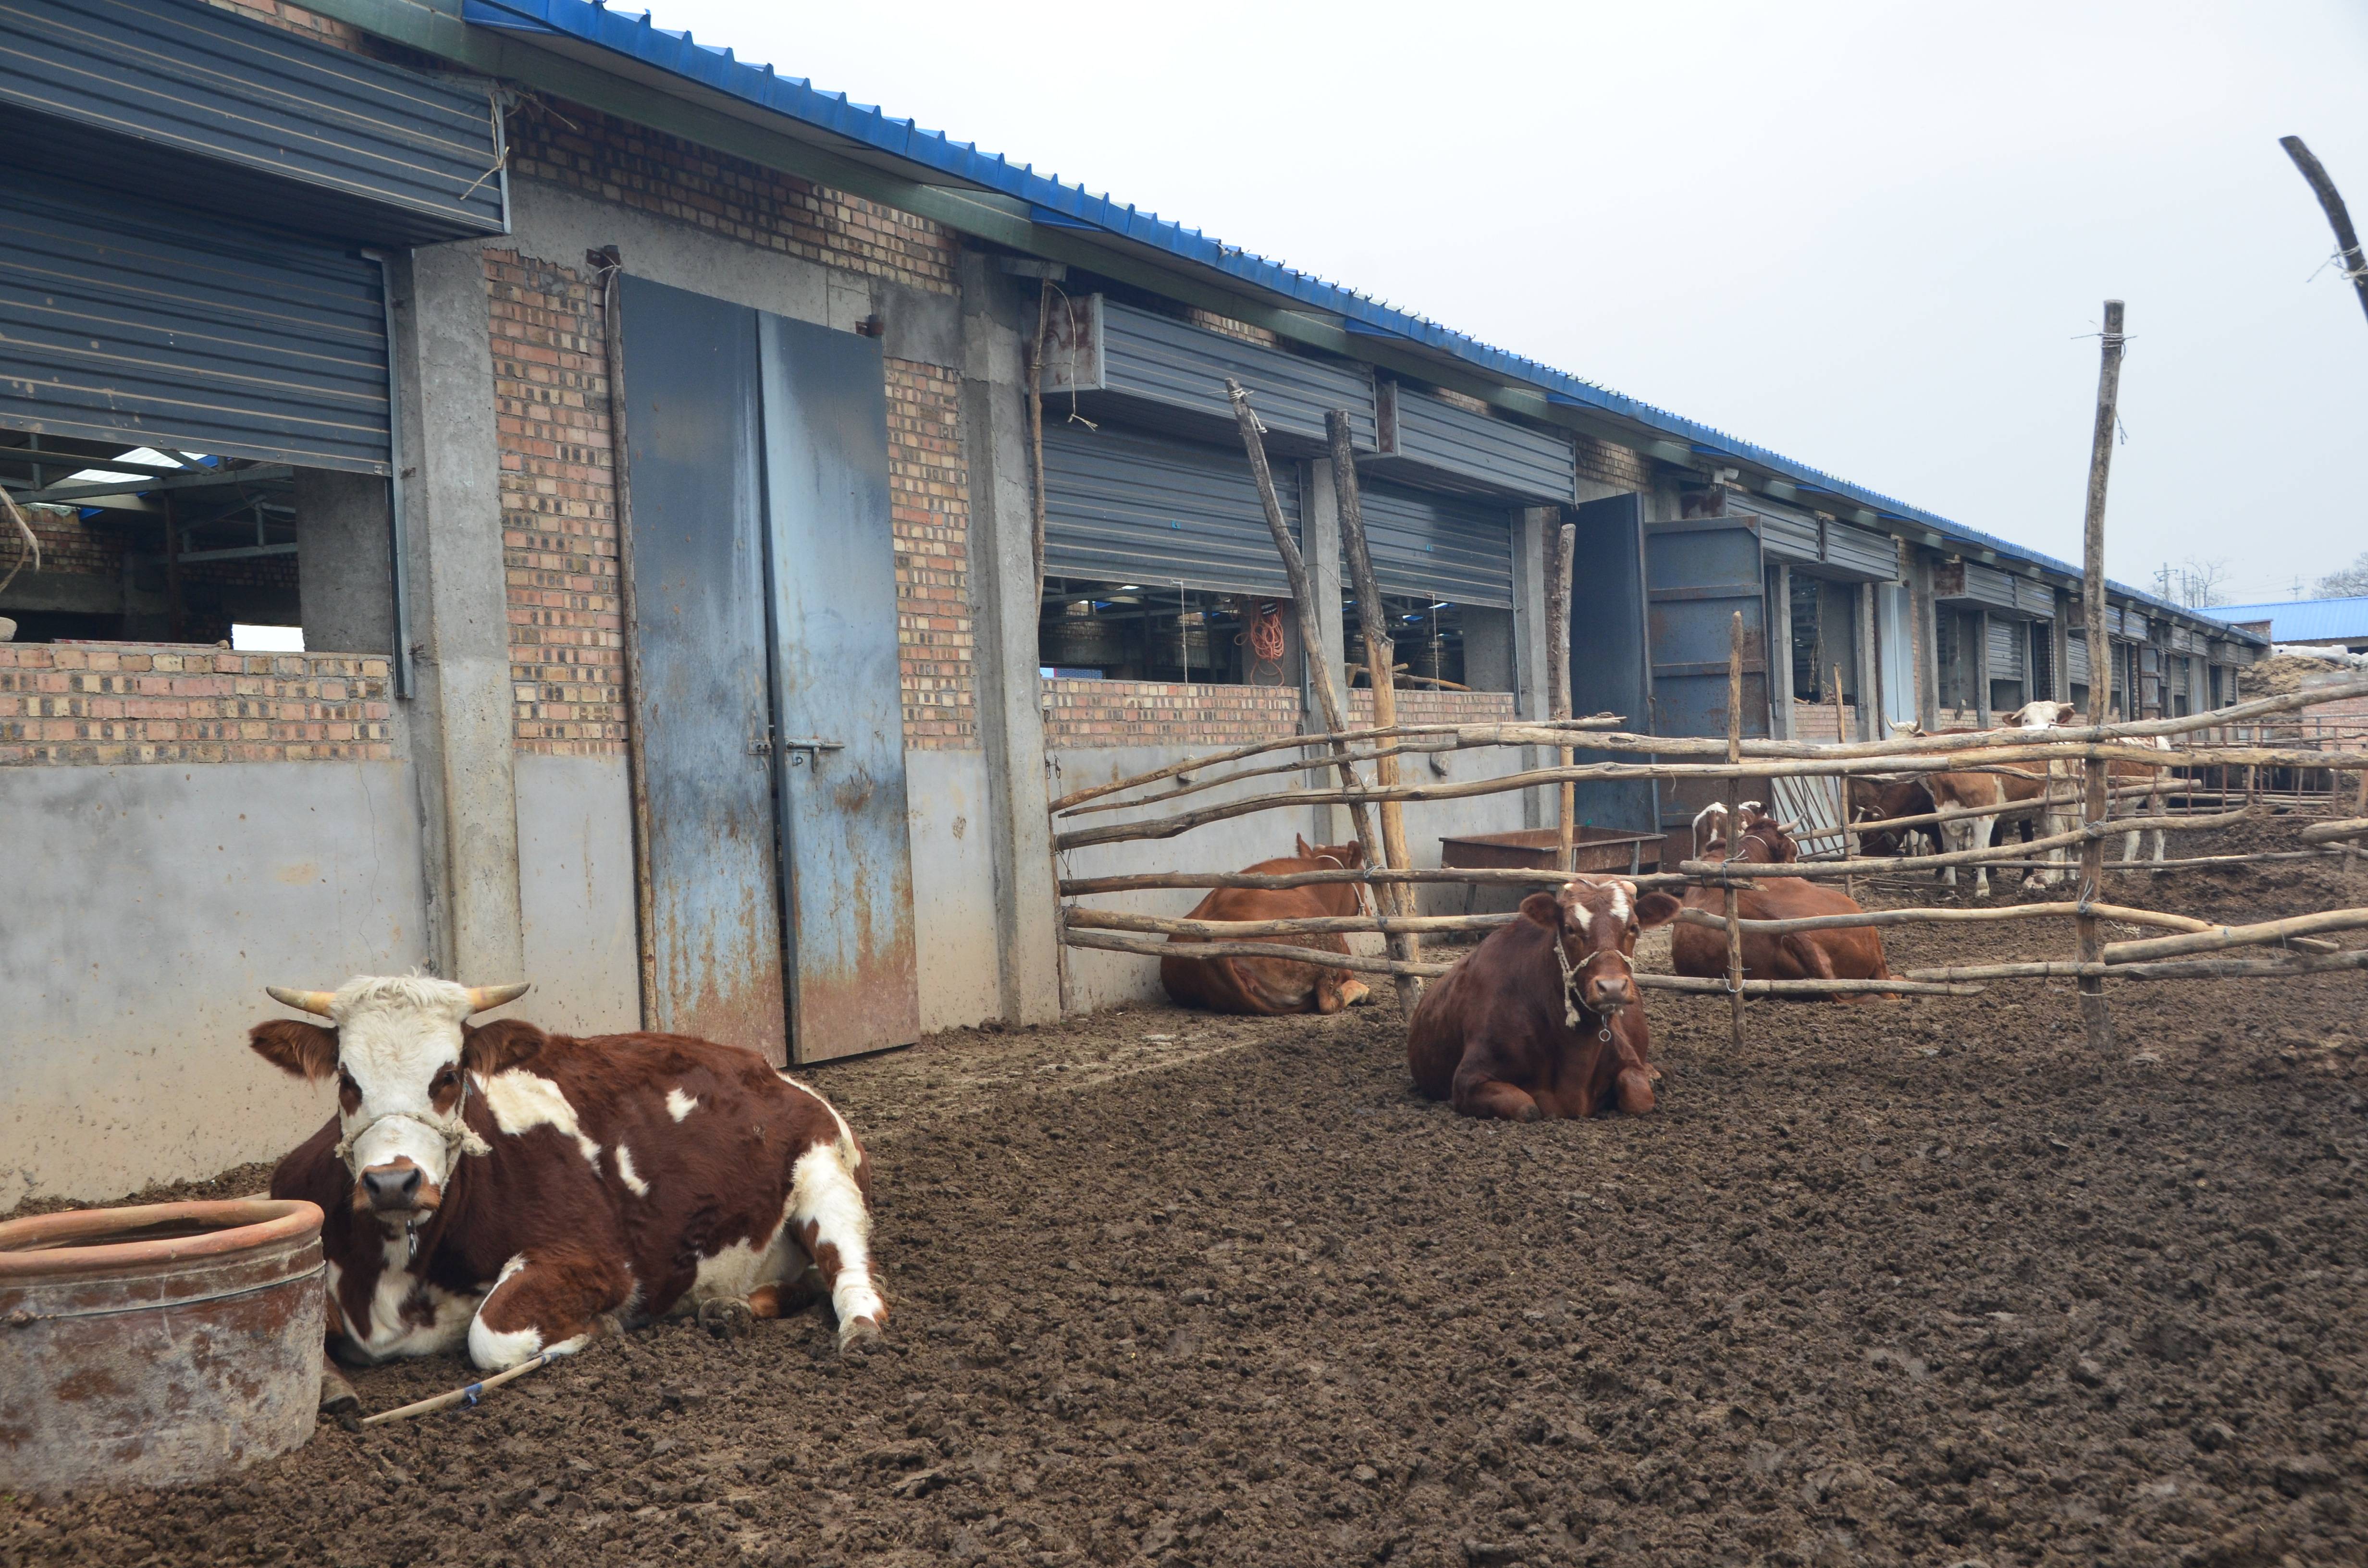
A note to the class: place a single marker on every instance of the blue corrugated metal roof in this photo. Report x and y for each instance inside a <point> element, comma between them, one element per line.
<point>2303,620</point>
<point>635,36</point>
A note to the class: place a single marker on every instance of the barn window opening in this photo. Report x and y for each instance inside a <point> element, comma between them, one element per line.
<point>1153,632</point>
<point>1825,634</point>
<point>158,544</point>
<point>1428,635</point>
<point>1956,645</point>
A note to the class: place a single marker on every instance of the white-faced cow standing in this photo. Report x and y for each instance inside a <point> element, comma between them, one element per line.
<point>516,1191</point>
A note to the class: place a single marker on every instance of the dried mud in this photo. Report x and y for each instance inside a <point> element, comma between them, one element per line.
<point>1925,1282</point>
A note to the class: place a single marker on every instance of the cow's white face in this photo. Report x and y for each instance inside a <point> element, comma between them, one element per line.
<point>2043,716</point>
<point>398,1050</point>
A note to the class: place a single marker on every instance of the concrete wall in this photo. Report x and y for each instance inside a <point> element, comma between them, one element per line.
<point>954,887</point>
<point>149,908</point>
<point>576,896</point>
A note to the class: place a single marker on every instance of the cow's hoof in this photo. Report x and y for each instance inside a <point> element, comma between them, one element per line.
<point>338,1396</point>
<point>727,1317</point>
<point>1354,993</point>
<point>859,1337</point>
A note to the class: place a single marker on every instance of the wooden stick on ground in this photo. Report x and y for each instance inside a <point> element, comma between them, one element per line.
<point>1319,657</point>
<point>1559,564</point>
<point>1380,663</point>
<point>1734,830</point>
<point>2096,1016</point>
<point>2224,937</point>
<point>467,1392</point>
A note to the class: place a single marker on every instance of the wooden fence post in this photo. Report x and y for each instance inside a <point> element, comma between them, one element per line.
<point>2096,1014</point>
<point>1734,830</point>
<point>1841,737</point>
<point>1558,592</point>
<point>1381,665</point>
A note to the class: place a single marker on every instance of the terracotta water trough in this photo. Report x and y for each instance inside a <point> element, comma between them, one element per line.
<point>157,1345</point>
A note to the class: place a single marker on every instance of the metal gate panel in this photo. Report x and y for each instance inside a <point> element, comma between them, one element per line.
<point>1608,663</point>
<point>131,320</point>
<point>700,709</point>
<point>1698,573</point>
<point>1893,608</point>
<point>158,97</point>
<point>846,856</point>
<point>1125,505</point>
<point>1439,546</point>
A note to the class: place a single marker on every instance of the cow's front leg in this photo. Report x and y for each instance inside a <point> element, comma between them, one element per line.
<point>547,1300</point>
<point>1478,1092</point>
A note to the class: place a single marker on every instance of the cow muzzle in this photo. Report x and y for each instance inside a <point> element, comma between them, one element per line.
<point>396,1188</point>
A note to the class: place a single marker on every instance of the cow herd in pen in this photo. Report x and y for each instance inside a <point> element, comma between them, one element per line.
<point>494,1188</point>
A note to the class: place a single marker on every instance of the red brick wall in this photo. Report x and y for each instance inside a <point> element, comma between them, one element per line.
<point>1080,713</point>
<point>929,487</point>
<point>1612,464</point>
<point>1419,707</point>
<point>295,19</point>
<point>1815,722</point>
<point>132,703</point>
<point>615,160</point>
<point>558,500</point>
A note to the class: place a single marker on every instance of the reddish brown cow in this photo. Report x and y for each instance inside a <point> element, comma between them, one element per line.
<point>1842,954</point>
<point>1874,799</point>
<point>1274,985</point>
<point>1545,1017</point>
<point>516,1191</point>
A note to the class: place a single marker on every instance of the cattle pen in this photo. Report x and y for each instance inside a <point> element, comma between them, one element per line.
<point>1155,809</point>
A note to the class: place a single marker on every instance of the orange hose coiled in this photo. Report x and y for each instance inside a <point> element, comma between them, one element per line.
<point>1261,633</point>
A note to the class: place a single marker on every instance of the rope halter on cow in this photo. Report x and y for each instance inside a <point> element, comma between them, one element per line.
<point>1570,1002</point>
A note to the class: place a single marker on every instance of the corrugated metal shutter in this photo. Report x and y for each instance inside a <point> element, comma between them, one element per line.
<point>1125,506</point>
<point>1862,552</point>
<point>2006,650</point>
<point>1425,440</point>
<point>1158,371</point>
<point>1783,537</point>
<point>168,328</point>
<point>2035,600</point>
<point>1984,585</point>
<point>155,95</point>
<point>2076,661</point>
<point>1453,550</point>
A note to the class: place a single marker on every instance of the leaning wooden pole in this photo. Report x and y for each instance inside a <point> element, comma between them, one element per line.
<point>2096,1014</point>
<point>1380,663</point>
<point>1734,830</point>
<point>1841,737</point>
<point>1558,593</point>
<point>1320,658</point>
<point>2348,255</point>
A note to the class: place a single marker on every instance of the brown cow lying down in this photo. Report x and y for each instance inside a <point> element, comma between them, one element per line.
<point>1545,1019</point>
<point>1700,951</point>
<point>515,1190</point>
<point>1274,985</point>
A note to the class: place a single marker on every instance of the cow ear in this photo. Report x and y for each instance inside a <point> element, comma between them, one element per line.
<point>1657,908</point>
<point>297,1048</point>
<point>498,1046</point>
<point>1306,851</point>
<point>1544,909</point>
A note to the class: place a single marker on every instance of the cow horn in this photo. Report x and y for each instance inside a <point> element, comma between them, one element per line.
<point>303,1001</point>
<point>482,997</point>
<point>1788,827</point>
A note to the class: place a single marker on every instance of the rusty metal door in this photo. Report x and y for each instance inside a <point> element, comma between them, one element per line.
<point>702,706</point>
<point>847,859</point>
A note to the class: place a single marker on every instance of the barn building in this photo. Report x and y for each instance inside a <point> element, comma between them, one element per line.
<point>522,493</point>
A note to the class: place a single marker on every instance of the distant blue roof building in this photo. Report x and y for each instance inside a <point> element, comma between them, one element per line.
<point>2330,621</point>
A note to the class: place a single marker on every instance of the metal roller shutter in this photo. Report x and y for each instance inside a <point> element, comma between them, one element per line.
<point>1453,550</point>
<point>1427,440</point>
<point>160,96</point>
<point>2075,660</point>
<point>175,329</point>
<point>1124,506</point>
<point>2006,650</point>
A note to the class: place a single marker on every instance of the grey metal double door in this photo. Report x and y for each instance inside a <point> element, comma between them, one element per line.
<point>768,708</point>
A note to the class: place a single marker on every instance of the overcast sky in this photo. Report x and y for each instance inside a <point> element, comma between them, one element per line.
<point>1870,237</point>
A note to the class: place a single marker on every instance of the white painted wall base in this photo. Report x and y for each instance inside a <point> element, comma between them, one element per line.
<point>576,895</point>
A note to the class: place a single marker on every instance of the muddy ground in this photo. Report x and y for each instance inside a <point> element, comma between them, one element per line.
<point>1920,1283</point>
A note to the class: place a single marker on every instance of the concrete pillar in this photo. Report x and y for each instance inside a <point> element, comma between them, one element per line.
<point>1982,669</point>
<point>462,718</point>
<point>1004,658</point>
<point>2059,648</point>
<point>344,572</point>
<point>1870,667</point>
<point>1924,636</point>
<point>1780,653</point>
<point>1533,528</point>
<point>1319,544</point>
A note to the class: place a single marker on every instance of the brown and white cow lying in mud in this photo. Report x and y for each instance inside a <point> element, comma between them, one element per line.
<point>1274,985</point>
<point>1545,1017</point>
<point>1850,953</point>
<point>518,1192</point>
